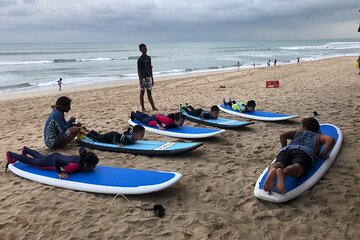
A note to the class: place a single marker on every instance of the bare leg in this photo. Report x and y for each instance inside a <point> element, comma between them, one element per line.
<point>142,92</point>
<point>151,99</point>
<point>294,170</point>
<point>269,181</point>
<point>73,132</point>
<point>280,184</point>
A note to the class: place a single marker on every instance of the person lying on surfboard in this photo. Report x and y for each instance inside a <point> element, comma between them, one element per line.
<point>240,106</point>
<point>163,122</point>
<point>126,138</point>
<point>199,112</point>
<point>55,161</point>
<point>297,158</point>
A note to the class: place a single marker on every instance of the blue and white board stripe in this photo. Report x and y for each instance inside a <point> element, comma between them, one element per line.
<point>219,122</point>
<point>257,114</point>
<point>296,186</point>
<point>181,132</point>
<point>142,147</point>
<point>103,179</point>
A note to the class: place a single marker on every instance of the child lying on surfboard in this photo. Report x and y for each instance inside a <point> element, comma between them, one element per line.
<point>163,122</point>
<point>55,161</point>
<point>126,138</point>
<point>199,112</point>
<point>297,158</point>
<point>240,106</point>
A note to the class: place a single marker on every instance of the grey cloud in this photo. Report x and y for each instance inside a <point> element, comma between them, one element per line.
<point>174,20</point>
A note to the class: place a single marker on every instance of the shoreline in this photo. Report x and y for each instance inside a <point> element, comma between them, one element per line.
<point>103,85</point>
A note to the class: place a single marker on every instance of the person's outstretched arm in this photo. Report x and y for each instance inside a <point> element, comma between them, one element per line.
<point>285,136</point>
<point>328,143</point>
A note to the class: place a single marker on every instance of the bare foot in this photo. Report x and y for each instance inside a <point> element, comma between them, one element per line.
<point>155,109</point>
<point>269,181</point>
<point>143,110</point>
<point>280,184</point>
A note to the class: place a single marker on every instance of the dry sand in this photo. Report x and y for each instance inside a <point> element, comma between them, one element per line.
<point>214,200</point>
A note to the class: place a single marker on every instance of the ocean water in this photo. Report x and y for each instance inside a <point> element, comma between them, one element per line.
<point>31,66</point>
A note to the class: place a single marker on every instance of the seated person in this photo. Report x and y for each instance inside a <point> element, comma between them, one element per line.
<point>240,106</point>
<point>163,122</point>
<point>55,161</point>
<point>201,113</point>
<point>297,158</point>
<point>126,138</point>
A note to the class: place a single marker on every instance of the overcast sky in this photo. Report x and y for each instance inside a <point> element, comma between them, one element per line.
<point>176,20</point>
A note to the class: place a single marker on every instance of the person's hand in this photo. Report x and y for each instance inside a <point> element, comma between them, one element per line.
<point>72,119</point>
<point>78,124</point>
<point>63,175</point>
<point>323,156</point>
<point>161,127</point>
<point>152,82</point>
<point>121,145</point>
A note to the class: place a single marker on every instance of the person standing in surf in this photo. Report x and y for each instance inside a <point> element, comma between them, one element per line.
<point>298,158</point>
<point>146,78</point>
<point>59,83</point>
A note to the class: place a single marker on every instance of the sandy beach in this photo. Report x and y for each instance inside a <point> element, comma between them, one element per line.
<point>214,199</point>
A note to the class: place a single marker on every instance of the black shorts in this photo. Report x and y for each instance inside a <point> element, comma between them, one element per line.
<point>289,157</point>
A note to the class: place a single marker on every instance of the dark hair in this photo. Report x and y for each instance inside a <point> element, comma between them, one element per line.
<point>62,102</point>
<point>311,124</point>
<point>141,46</point>
<point>88,160</point>
<point>251,103</point>
<point>214,109</point>
<point>138,129</point>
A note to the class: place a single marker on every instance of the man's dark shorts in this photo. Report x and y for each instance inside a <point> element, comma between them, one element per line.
<point>289,157</point>
<point>61,139</point>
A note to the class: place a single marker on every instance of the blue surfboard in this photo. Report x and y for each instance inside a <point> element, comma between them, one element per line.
<point>296,186</point>
<point>257,114</point>
<point>180,132</point>
<point>223,123</point>
<point>103,179</point>
<point>141,147</point>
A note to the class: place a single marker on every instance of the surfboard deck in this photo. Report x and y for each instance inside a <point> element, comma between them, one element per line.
<point>103,179</point>
<point>141,147</point>
<point>296,186</point>
<point>223,123</point>
<point>257,114</point>
<point>181,132</point>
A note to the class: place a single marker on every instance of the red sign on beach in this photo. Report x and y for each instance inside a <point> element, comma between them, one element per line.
<point>272,84</point>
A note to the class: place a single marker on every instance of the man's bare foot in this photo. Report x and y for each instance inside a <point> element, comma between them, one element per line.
<point>269,181</point>
<point>280,184</point>
<point>143,110</point>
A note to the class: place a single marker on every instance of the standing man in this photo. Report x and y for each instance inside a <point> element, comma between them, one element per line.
<point>59,83</point>
<point>146,78</point>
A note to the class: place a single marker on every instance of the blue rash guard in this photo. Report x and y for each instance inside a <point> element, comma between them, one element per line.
<point>55,124</point>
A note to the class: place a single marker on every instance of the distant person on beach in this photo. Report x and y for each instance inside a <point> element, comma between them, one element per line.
<point>358,64</point>
<point>146,78</point>
<point>298,59</point>
<point>86,161</point>
<point>238,65</point>
<point>59,83</point>
<point>126,138</point>
<point>268,63</point>
<point>58,132</point>
<point>275,62</point>
<point>298,158</point>
<point>254,64</point>
<point>163,122</point>
<point>199,112</point>
<point>240,106</point>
